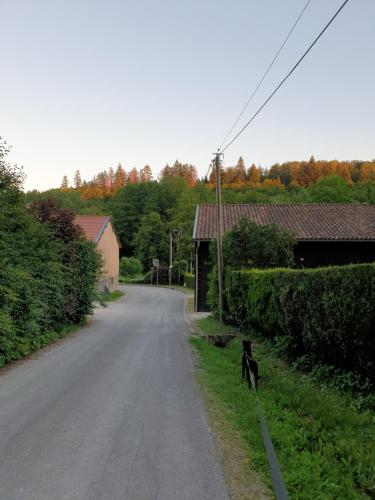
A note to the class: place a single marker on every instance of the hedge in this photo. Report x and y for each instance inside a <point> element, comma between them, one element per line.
<point>46,283</point>
<point>326,314</point>
<point>189,280</point>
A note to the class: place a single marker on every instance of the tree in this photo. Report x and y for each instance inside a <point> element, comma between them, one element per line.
<point>254,174</point>
<point>120,177</point>
<point>151,240</point>
<point>249,245</point>
<point>240,172</point>
<point>145,174</point>
<point>64,183</point>
<point>77,182</point>
<point>60,221</point>
<point>133,177</point>
<point>185,171</point>
<point>130,267</point>
<point>128,206</point>
<point>11,177</point>
<point>330,190</point>
<point>81,262</point>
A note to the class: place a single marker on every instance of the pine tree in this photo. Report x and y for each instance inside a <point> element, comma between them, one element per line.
<point>120,177</point>
<point>254,174</point>
<point>64,184</point>
<point>133,176</point>
<point>111,178</point>
<point>240,172</point>
<point>77,181</point>
<point>145,174</point>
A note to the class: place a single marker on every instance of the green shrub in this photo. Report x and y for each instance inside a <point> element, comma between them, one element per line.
<point>189,280</point>
<point>318,316</point>
<point>130,267</point>
<point>48,270</point>
<point>250,245</point>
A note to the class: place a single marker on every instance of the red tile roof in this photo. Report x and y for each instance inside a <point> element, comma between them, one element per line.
<point>308,221</point>
<point>93,225</point>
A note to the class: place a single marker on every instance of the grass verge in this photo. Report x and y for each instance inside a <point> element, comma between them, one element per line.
<point>112,296</point>
<point>211,326</point>
<point>325,449</point>
<point>138,279</point>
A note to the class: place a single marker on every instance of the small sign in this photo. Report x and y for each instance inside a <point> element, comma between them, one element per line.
<point>155,262</point>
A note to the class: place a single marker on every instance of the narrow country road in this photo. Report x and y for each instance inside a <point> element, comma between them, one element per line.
<point>111,413</point>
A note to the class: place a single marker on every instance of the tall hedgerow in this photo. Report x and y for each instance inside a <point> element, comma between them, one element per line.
<point>81,263</point>
<point>321,316</point>
<point>39,272</point>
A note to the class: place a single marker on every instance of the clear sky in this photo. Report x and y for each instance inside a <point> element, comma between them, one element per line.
<point>86,84</point>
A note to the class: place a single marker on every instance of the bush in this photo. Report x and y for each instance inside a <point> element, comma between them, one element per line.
<point>189,280</point>
<point>321,316</point>
<point>249,245</point>
<point>130,267</point>
<point>48,270</point>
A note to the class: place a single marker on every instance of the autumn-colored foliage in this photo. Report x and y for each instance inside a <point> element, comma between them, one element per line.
<point>291,174</point>
<point>186,171</point>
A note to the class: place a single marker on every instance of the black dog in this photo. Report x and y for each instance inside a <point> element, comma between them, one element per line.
<point>249,364</point>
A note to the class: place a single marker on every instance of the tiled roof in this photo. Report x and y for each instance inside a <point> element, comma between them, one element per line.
<point>92,225</point>
<point>308,221</point>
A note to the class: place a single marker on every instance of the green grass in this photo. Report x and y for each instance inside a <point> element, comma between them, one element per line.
<point>326,450</point>
<point>190,304</point>
<point>112,296</point>
<point>211,326</point>
<point>134,279</point>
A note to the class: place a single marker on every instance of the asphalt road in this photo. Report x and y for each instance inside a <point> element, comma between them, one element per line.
<point>111,413</point>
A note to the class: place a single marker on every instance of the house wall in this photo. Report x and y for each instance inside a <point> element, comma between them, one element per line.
<point>314,254</point>
<point>333,253</point>
<point>109,248</point>
<point>203,264</point>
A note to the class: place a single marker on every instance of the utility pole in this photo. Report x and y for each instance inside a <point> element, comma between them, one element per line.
<point>219,236</point>
<point>170,259</point>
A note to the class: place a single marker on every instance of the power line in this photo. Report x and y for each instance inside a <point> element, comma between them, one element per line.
<point>286,77</point>
<point>265,73</point>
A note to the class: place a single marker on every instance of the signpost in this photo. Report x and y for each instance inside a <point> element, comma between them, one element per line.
<point>155,263</point>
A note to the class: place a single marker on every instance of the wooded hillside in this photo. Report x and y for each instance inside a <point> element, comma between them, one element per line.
<point>145,210</point>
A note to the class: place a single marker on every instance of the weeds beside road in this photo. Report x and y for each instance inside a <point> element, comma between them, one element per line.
<point>326,449</point>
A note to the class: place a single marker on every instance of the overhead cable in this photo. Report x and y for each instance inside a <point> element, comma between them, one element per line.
<point>265,73</point>
<point>285,78</point>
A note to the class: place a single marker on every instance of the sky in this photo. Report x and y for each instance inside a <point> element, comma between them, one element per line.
<point>86,84</point>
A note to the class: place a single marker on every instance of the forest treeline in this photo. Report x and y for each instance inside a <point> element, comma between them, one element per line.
<point>289,174</point>
<point>144,213</point>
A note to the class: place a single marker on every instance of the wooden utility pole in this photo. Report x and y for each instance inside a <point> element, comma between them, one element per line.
<point>219,236</point>
<point>170,259</point>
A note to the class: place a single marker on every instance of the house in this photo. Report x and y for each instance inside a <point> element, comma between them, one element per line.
<point>326,234</point>
<point>100,230</point>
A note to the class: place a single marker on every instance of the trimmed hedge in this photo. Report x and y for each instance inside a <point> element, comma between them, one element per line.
<point>189,280</point>
<point>325,314</point>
